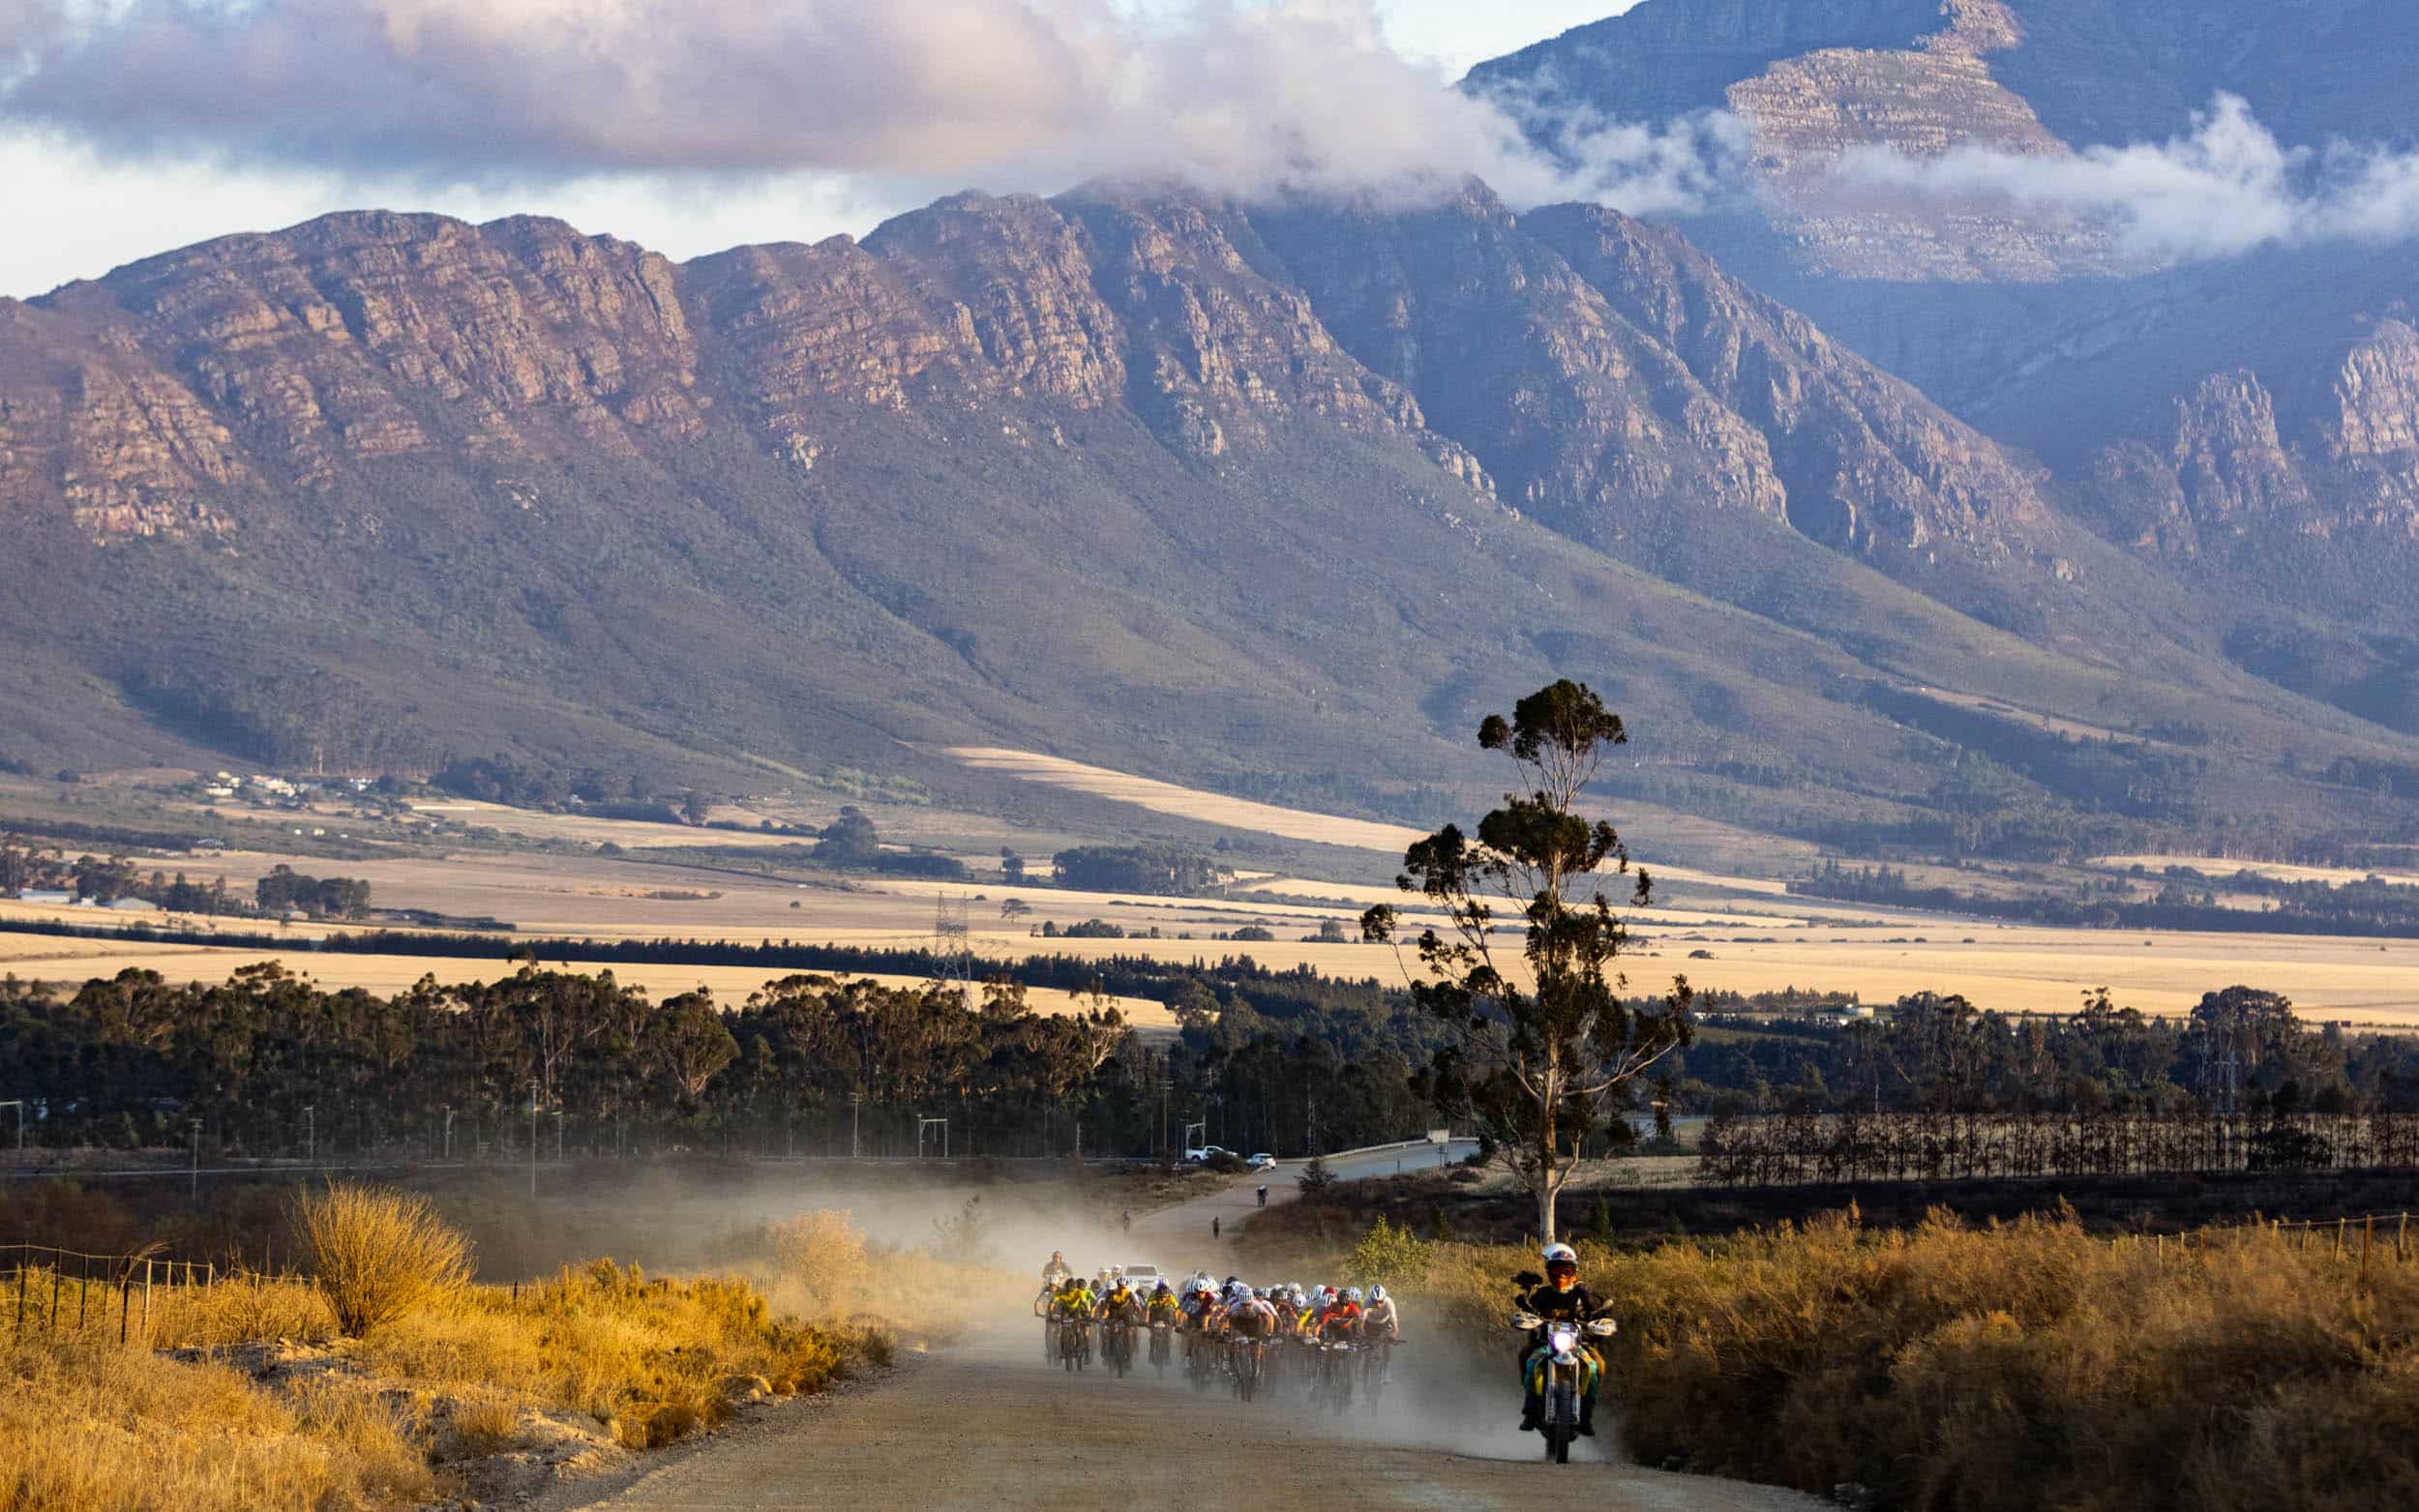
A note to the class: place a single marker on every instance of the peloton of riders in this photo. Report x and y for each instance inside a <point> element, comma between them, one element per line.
<point>1210,1311</point>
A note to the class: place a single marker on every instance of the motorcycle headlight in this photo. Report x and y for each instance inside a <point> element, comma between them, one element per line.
<point>1565,1340</point>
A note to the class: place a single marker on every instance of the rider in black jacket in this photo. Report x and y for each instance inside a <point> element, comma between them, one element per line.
<point>1558,1299</point>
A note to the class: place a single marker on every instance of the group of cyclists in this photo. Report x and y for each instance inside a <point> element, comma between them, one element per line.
<point>1335,1343</point>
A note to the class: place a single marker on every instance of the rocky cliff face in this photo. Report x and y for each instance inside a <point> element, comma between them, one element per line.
<point>2232,481</point>
<point>1605,379</point>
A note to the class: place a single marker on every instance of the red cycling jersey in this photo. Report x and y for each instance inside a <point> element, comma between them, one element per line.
<point>1343,1317</point>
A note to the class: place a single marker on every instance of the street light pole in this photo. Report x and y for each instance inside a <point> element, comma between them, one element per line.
<point>534,1138</point>
<point>193,1186</point>
<point>311,1134</point>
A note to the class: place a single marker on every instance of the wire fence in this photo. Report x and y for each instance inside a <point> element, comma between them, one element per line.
<point>53,1291</point>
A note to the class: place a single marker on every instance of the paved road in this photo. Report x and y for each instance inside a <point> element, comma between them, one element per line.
<point>989,1425</point>
<point>1177,1238</point>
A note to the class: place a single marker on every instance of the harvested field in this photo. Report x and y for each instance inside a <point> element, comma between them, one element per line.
<point>2285,871</point>
<point>1325,829</point>
<point>25,956</point>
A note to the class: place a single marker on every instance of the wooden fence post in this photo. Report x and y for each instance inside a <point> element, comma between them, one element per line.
<point>2368,1232</point>
<point>2402,1233</point>
<point>2339,1238</point>
<point>146,1299</point>
<point>54,1295</point>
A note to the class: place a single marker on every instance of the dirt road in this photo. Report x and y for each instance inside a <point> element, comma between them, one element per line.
<point>988,1424</point>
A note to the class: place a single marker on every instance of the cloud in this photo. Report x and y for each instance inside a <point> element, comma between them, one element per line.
<point>1291,96</point>
<point>2226,187</point>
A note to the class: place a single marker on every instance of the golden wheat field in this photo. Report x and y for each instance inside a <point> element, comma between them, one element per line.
<point>1726,932</point>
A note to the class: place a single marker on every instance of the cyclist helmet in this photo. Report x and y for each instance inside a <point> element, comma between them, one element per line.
<point>1230,1279</point>
<point>1161,1287</point>
<point>1352,1293</point>
<point>1377,1293</point>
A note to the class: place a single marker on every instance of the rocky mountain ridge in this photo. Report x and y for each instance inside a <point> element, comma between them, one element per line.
<point>1158,480</point>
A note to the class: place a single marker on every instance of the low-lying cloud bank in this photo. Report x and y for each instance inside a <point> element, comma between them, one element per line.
<point>2226,187</point>
<point>1302,95</point>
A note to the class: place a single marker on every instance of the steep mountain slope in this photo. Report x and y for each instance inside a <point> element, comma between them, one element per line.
<point>1155,481</point>
<point>2244,426</point>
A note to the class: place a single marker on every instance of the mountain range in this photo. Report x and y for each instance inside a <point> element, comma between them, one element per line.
<point>1277,497</point>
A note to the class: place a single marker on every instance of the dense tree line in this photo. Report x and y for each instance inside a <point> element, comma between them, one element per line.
<point>2186,901</point>
<point>322,897</point>
<point>1160,871</point>
<point>2240,1047</point>
<point>2279,1136</point>
<point>805,1065</point>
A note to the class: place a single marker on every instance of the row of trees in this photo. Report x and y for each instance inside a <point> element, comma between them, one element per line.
<point>1853,1145</point>
<point>810,1064</point>
<point>2240,1048</point>
<point>323,897</point>
<point>2186,900</point>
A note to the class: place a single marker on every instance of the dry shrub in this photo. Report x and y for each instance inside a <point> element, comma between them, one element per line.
<point>377,1254</point>
<point>822,1255</point>
<point>2011,1367</point>
<point>85,1426</point>
<point>485,1422</point>
<point>648,1357</point>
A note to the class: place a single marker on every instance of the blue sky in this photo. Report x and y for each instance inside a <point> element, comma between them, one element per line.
<point>93,182</point>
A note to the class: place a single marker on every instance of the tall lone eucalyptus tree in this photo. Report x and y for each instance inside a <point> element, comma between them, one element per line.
<point>1535,1057</point>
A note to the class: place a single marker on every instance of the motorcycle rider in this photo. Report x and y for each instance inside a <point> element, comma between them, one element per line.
<point>1055,1269</point>
<point>1561,1299</point>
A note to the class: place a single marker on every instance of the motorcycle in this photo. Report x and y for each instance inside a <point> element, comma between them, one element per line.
<point>1564,1376</point>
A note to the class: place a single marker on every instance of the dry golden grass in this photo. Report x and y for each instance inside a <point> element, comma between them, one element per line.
<point>2014,1367</point>
<point>377,1254</point>
<point>313,1420</point>
<point>652,1359</point>
<point>85,1426</point>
